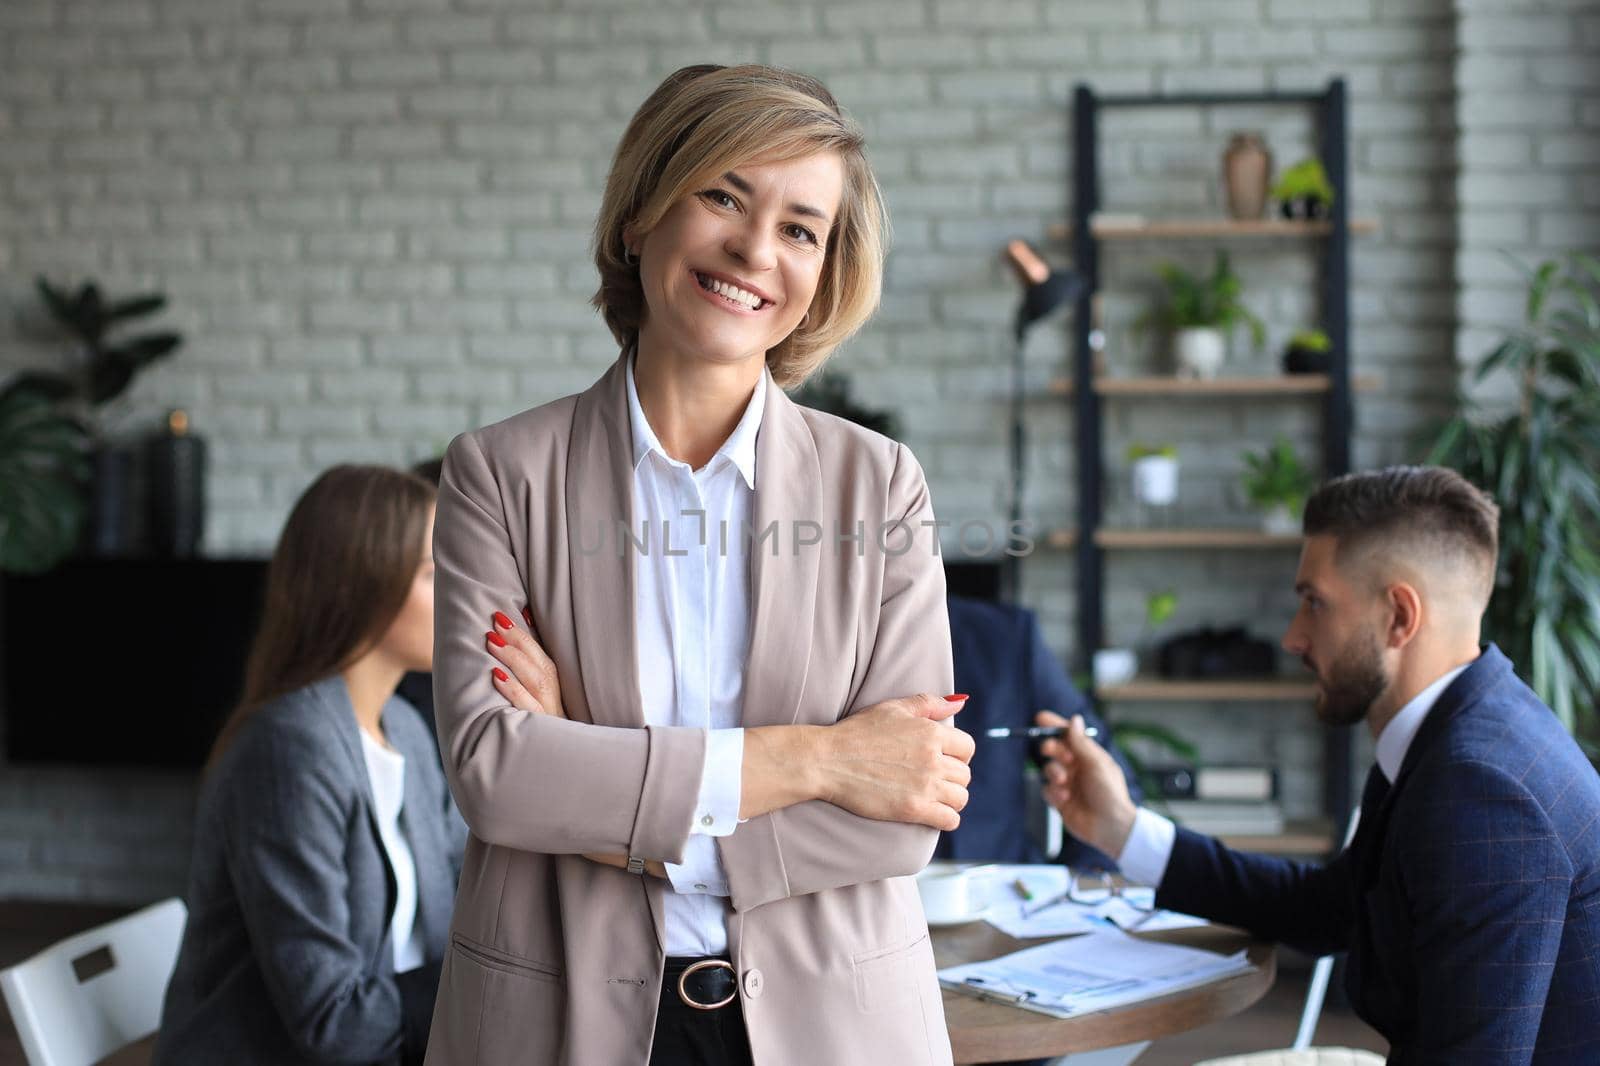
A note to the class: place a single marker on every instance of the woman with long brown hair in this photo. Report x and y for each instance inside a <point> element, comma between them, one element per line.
<point>326,844</point>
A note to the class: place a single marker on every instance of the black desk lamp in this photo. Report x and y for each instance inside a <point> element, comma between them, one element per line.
<point>1043,291</point>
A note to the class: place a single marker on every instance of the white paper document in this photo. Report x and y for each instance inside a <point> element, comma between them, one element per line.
<point>1096,971</point>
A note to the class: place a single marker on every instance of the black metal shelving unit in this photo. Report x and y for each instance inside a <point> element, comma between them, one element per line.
<point>1330,110</point>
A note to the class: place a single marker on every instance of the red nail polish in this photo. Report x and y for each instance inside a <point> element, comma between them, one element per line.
<point>527,616</point>
<point>500,674</point>
<point>502,621</point>
<point>959,696</point>
<point>496,639</point>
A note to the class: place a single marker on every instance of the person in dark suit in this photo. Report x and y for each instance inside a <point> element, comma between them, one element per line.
<point>1003,665</point>
<point>327,846</point>
<point>1469,899</point>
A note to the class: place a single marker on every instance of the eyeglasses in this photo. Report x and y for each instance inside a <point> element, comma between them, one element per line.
<point>1094,890</point>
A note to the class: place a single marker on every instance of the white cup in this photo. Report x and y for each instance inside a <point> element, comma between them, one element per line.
<point>950,896</point>
<point>946,897</point>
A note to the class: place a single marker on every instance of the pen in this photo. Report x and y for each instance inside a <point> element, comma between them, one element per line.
<point>1022,889</point>
<point>1034,732</point>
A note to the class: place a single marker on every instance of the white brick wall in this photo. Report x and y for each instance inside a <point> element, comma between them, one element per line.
<point>1528,138</point>
<point>372,222</point>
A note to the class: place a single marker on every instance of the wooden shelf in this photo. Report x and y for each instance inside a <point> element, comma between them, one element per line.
<point>1161,539</point>
<point>1061,539</point>
<point>1263,385</point>
<point>1298,838</point>
<point>1196,228</point>
<point>1242,690</point>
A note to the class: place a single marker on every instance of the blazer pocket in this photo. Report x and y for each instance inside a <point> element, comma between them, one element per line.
<point>887,977</point>
<point>521,1003</point>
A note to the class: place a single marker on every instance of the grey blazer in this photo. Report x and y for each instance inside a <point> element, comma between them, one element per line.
<point>287,956</point>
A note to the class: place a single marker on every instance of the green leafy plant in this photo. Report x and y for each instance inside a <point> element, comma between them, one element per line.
<point>1160,606</point>
<point>1306,180</point>
<point>1277,477</point>
<point>1312,340</point>
<point>43,467</point>
<point>1140,450</point>
<point>107,363</point>
<point>1540,460</point>
<point>1198,302</point>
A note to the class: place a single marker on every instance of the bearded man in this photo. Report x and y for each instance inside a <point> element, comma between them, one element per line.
<point>1469,899</point>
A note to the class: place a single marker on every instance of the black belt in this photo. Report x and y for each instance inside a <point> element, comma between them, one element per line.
<point>701,983</point>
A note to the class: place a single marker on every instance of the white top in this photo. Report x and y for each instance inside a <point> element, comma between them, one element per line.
<point>1145,856</point>
<point>386,769</point>
<point>692,624</point>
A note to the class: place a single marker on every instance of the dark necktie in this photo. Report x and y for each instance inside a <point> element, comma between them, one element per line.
<point>1372,796</point>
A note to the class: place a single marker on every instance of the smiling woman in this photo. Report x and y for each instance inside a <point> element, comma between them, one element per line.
<point>698,782</point>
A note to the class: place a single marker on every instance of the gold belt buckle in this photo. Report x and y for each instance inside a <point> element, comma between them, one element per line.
<point>706,964</point>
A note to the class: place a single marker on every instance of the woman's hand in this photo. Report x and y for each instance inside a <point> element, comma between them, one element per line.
<point>899,761</point>
<point>531,684</point>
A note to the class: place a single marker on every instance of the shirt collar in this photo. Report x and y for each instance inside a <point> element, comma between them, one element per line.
<point>1396,738</point>
<point>739,448</point>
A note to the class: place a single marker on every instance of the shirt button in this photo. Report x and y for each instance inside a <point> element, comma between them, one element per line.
<point>708,821</point>
<point>699,887</point>
<point>753,983</point>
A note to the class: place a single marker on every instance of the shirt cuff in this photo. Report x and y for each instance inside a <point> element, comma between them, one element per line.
<point>1144,857</point>
<point>716,812</point>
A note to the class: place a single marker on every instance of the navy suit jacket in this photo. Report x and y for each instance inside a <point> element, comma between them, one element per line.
<point>1469,900</point>
<point>1002,663</point>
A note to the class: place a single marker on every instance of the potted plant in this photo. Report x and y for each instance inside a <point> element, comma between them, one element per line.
<point>43,467</point>
<point>1307,353</point>
<point>1200,312</point>
<point>1277,482</point>
<point>1538,456</point>
<point>106,362</point>
<point>1118,666</point>
<point>1304,191</point>
<point>1155,473</point>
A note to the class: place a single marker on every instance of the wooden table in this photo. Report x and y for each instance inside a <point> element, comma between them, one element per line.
<point>983,1031</point>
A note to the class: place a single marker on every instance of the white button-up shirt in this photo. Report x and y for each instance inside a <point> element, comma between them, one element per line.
<point>1145,856</point>
<point>386,770</point>
<point>692,625</point>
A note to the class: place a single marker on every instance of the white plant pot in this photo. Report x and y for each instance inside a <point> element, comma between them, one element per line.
<point>1280,521</point>
<point>1199,352</point>
<point>1115,666</point>
<point>1155,480</point>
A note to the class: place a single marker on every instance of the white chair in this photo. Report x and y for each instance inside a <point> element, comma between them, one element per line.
<point>78,1001</point>
<point>1317,1056</point>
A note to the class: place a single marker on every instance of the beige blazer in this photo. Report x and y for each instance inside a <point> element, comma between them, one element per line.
<point>556,959</point>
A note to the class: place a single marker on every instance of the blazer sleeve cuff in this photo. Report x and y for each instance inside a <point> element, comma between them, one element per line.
<point>673,768</point>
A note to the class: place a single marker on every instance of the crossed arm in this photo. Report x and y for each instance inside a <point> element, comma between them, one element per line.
<point>882,780</point>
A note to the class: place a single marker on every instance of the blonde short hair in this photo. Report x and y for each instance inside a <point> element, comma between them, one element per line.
<point>703,121</point>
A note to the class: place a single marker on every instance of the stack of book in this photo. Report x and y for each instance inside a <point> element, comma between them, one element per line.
<point>1230,801</point>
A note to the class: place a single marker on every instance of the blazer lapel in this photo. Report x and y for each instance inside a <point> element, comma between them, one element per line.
<point>1456,696</point>
<point>783,578</point>
<point>430,853</point>
<point>335,697</point>
<point>599,503</point>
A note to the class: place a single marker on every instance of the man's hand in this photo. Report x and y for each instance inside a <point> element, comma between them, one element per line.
<point>1086,785</point>
<point>898,761</point>
<point>531,684</point>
